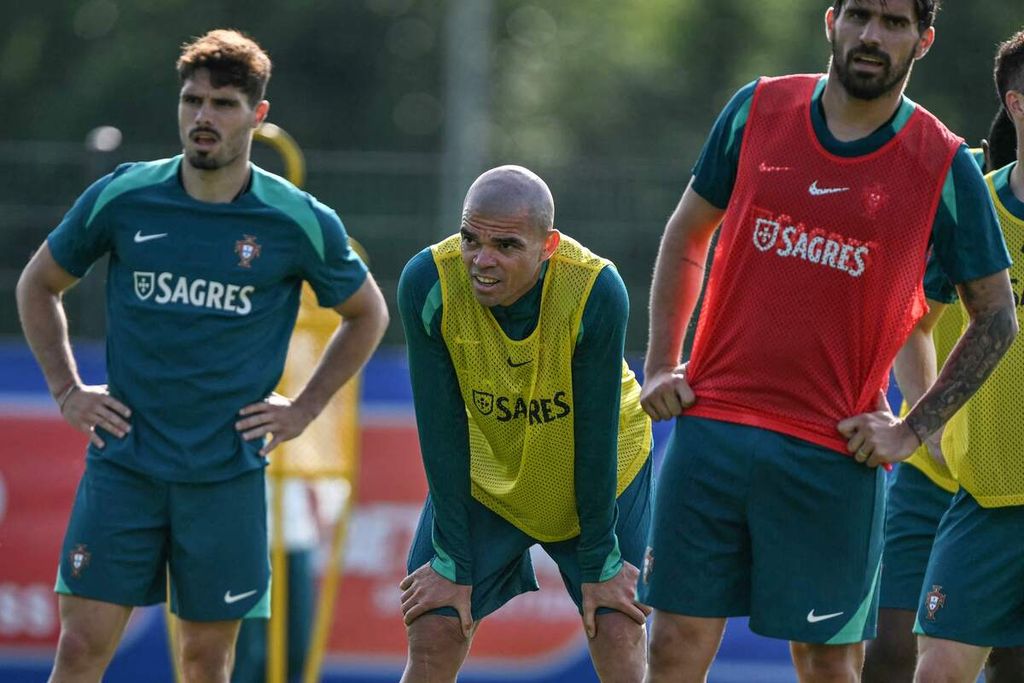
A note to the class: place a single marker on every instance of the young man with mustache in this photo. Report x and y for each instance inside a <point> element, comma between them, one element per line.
<point>208,254</point>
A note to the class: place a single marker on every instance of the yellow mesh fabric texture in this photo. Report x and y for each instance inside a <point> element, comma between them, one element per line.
<point>946,334</point>
<point>984,441</point>
<point>518,394</point>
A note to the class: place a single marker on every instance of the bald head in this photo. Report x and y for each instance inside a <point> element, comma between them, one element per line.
<point>511,192</point>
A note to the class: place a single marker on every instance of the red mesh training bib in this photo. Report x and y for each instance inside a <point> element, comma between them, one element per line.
<point>816,279</point>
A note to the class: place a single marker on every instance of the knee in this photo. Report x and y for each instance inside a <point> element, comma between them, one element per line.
<point>80,646</point>
<point>828,662</point>
<point>202,660</point>
<point>681,644</point>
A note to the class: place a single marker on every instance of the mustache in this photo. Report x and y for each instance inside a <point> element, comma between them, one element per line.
<point>868,51</point>
<point>203,129</point>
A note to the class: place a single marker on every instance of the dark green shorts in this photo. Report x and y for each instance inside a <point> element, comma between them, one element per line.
<point>749,521</point>
<point>127,530</point>
<point>912,515</point>
<point>973,590</point>
<point>502,568</point>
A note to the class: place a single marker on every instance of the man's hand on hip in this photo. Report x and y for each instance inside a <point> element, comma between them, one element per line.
<point>425,590</point>
<point>277,415</point>
<point>618,593</point>
<point>88,407</point>
<point>879,438</point>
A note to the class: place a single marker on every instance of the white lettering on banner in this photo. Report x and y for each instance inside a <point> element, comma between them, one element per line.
<point>27,610</point>
<point>178,289</point>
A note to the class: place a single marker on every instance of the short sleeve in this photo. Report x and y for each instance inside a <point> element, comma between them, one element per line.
<point>337,272</point>
<point>714,175</point>
<point>82,236</point>
<point>966,237</point>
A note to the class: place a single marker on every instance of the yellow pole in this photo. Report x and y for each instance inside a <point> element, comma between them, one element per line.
<point>277,628</point>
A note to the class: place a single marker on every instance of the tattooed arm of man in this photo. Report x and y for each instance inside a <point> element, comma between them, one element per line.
<point>880,437</point>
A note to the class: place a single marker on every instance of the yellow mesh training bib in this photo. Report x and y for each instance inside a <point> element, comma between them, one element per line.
<point>518,394</point>
<point>984,442</point>
<point>945,335</point>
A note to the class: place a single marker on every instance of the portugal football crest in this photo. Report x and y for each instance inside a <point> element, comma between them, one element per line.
<point>79,558</point>
<point>143,285</point>
<point>247,250</point>
<point>483,401</point>
<point>765,234</point>
<point>934,600</point>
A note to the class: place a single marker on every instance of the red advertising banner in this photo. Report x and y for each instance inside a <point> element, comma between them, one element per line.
<point>42,458</point>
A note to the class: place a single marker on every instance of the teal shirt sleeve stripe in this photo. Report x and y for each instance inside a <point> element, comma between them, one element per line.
<point>431,308</point>
<point>285,197</point>
<point>967,240</point>
<point>1004,193</point>
<point>443,564</point>
<point>949,197</point>
<point>142,174</point>
<point>714,174</point>
<point>613,564</point>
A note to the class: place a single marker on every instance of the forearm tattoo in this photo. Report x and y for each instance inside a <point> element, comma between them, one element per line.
<point>970,363</point>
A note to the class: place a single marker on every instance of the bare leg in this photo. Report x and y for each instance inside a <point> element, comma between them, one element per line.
<point>817,663</point>
<point>89,633</point>
<point>891,656</point>
<point>207,650</point>
<point>682,647</point>
<point>1005,665</point>
<point>437,649</point>
<point>619,650</point>
<point>947,661</point>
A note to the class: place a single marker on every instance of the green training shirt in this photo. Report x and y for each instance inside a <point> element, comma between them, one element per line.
<point>201,301</point>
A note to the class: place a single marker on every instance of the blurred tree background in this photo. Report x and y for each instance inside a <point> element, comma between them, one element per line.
<point>399,103</point>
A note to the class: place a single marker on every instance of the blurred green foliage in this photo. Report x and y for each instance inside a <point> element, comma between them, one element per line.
<point>571,79</point>
<point>609,101</point>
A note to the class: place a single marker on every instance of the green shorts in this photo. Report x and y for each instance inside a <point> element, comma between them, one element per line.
<point>914,508</point>
<point>749,521</point>
<point>502,568</point>
<point>973,590</point>
<point>127,530</point>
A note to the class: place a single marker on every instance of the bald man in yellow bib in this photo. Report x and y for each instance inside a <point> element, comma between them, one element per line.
<point>530,428</point>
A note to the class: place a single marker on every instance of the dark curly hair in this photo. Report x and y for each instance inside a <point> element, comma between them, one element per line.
<point>926,11</point>
<point>232,58</point>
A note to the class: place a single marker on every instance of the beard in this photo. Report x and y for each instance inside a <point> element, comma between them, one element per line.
<point>203,161</point>
<point>869,87</point>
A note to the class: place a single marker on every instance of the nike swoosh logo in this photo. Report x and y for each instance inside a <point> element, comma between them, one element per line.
<point>817,191</point>
<point>517,365</point>
<point>139,237</point>
<point>229,598</point>
<point>813,618</point>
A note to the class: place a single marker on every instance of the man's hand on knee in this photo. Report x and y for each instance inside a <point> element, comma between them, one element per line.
<point>425,590</point>
<point>618,593</point>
